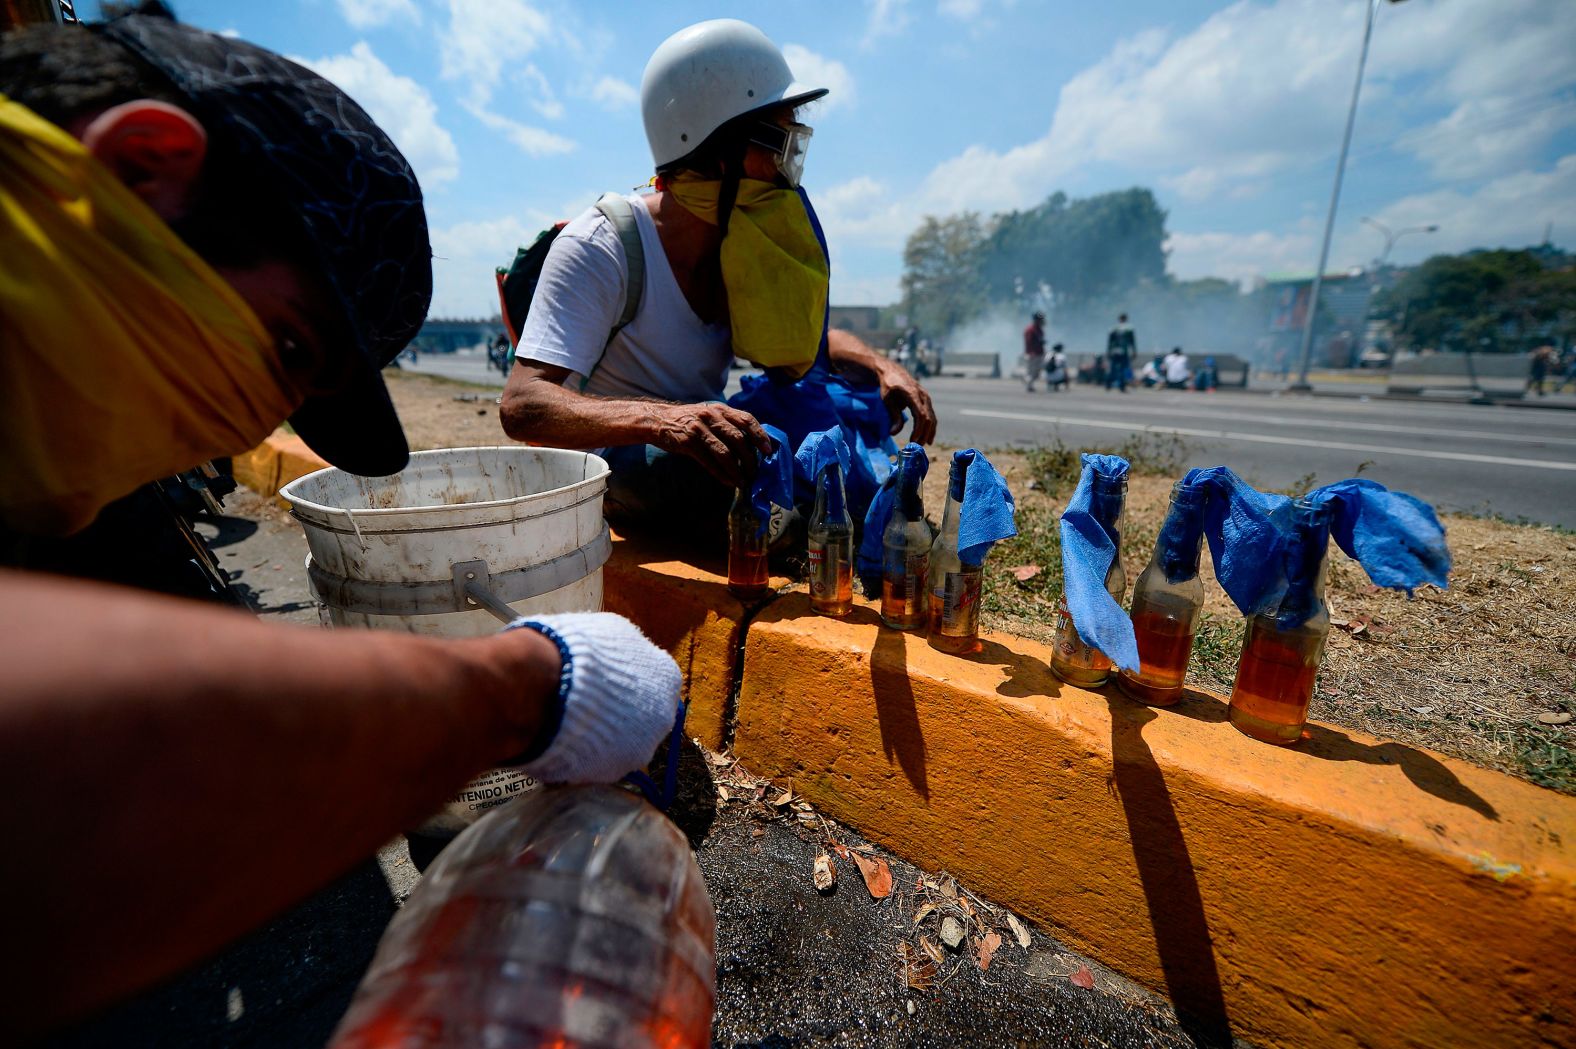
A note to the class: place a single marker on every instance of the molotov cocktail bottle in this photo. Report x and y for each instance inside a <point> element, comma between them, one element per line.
<point>1283,647</point>
<point>905,550</point>
<point>954,586</point>
<point>831,547</point>
<point>1166,602</point>
<point>1072,659</point>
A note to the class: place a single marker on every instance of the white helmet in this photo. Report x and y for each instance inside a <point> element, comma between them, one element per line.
<point>703,76</point>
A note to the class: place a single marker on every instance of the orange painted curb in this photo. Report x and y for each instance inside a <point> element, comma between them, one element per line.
<point>275,463</point>
<point>1345,891</point>
<point>685,607</point>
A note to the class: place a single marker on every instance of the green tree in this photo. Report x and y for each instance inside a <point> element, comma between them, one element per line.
<point>1085,249</point>
<point>1496,299</point>
<point>941,288</point>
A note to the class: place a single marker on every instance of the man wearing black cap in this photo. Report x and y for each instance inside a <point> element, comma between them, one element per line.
<point>1033,350</point>
<point>199,239</point>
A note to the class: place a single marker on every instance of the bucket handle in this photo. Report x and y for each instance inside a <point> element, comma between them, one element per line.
<point>355,526</point>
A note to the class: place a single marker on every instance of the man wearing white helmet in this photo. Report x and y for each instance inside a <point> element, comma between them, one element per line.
<point>733,266</point>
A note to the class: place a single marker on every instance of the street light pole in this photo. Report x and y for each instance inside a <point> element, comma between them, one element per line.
<point>1301,385</point>
<point>1391,237</point>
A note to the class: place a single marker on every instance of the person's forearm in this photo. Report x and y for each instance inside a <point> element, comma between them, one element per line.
<point>546,413</point>
<point>174,774</point>
<point>849,352</point>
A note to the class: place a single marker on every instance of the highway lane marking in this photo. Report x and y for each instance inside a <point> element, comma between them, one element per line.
<point>1258,438</point>
<point>1341,424</point>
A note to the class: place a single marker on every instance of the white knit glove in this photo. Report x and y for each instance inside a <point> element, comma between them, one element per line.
<point>620,694</point>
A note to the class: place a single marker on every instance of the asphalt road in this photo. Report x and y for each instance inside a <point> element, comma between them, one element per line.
<point>1518,462</point>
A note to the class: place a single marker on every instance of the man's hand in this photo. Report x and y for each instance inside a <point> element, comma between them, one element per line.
<point>723,440</point>
<point>899,389</point>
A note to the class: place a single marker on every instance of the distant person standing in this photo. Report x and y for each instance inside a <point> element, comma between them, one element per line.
<point>1538,368</point>
<point>1175,369</point>
<point>1056,370</point>
<point>1033,350</point>
<point>1120,346</point>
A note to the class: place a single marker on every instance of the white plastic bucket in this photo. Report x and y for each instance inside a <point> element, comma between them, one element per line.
<point>428,549</point>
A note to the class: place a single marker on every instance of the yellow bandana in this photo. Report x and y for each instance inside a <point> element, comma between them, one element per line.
<point>126,358</point>
<point>773,267</point>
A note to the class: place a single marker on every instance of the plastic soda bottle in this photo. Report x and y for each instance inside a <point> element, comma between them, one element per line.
<point>1282,649</point>
<point>1166,603</point>
<point>1071,659</point>
<point>954,586</point>
<point>748,576</point>
<point>831,547</point>
<point>576,917</point>
<point>905,546</point>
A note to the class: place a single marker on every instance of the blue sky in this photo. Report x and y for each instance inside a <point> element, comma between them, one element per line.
<point>515,113</point>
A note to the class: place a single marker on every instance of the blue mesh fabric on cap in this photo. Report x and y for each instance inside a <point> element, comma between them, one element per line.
<point>358,199</point>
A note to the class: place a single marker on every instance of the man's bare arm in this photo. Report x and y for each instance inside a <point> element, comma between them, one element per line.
<point>538,409</point>
<point>175,774</point>
<point>899,389</point>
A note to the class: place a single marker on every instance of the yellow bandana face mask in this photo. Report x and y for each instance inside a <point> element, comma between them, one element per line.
<point>773,267</point>
<point>123,356</point>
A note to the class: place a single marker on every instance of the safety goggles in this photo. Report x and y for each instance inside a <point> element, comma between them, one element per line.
<point>787,143</point>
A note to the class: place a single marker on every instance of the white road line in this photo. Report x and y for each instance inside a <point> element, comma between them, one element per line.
<point>1259,438</point>
<point>1341,424</point>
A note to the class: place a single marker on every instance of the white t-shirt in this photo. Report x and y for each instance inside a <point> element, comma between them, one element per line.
<point>1176,367</point>
<point>666,352</point>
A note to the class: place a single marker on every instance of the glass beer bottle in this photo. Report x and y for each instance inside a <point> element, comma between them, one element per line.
<point>831,543</point>
<point>1282,649</point>
<point>954,586</point>
<point>905,547</point>
<point>1166,603</point>
<point>748,576</point>
<point>1071,659</point>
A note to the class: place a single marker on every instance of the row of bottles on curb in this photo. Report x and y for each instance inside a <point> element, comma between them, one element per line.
<point>924,583</point>
<point>1281,650</point>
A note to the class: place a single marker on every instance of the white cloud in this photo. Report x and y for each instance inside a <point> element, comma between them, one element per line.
<point>1484,136</point>
<point>232,33</point>
<point>369,14</point>
<point>464,257</point>
<point>887,18</point>
<point>961,9</point>
<point>1240,256</point>
<point>614,94</point>
<point>535,141</point>
<point>401,107</point>
<point>486,39</point>
<point>811,70</point>
<point>1509,211</point>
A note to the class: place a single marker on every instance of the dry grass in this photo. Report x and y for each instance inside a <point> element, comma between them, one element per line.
<point>1465,672</point>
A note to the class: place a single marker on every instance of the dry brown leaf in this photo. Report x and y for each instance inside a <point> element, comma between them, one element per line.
<point>988,948</point>
<point>782,799</point>
<point>948,887</point>
<point>801,806</point>
<point>805,817</point>
<point>932,948</point>
<point>824,873</point>
<point>918,971</point>
<point>1554,718</point>
<point>756,832</point>
<point>924,910</point>
<point>718,758</point>
<point>878,876</point>
<point>723,793</point>
<point>1019,931</point>
<point>1024,573</point>
<point>841,850</point>
<point>968,908</point>
<point>1083,978</point>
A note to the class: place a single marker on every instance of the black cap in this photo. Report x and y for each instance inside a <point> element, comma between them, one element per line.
<point>358,201</point>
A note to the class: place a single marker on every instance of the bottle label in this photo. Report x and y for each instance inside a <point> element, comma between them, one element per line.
<point>818,586</point>
<point>915,568</point>
<point>960,596</point>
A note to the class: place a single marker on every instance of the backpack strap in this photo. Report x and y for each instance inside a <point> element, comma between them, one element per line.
<point>621,213</point>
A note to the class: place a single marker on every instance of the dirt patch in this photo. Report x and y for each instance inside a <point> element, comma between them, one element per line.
<point>1467,671</point>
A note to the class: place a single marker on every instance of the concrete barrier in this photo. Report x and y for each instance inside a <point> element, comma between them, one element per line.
<point>1346,891</point>
<point>1497,374</point>
<point>275,463</point>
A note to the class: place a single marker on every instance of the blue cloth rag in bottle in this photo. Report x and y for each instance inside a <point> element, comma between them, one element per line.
<point>1397,538</point>
<point>868,560</point>
<point>773,483</point>
<point>986,515</point>
<point>1087,552</point>
<point>818,451</point>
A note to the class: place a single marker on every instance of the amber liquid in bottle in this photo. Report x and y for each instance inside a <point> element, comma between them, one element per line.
<point>954,586</point>
<point>905,551</point>
<point>1164,645</point>
<point>749,579</point>
<point>1282,650</point>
